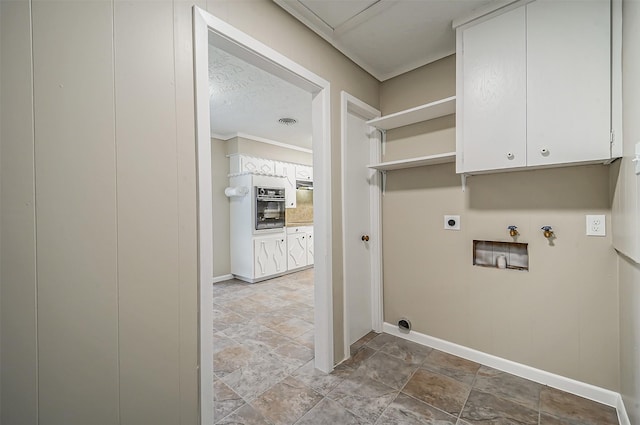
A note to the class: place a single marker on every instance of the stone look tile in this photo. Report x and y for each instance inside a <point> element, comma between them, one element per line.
<point>387,369</point>
<point>286,402</point>
<point>255,334</point>
<point>356,359</point>
<point>329,412</point>
<point>438,390</point>
<point>362,341</point>
<point>246,415</point>
<point>232,358</point>
<point>507,386</point>
<point>407,350</point>
<point>225,400</point>
<point>321,382</point>
<point>380,340</point>
<point>363,396</point>
<point>452,366</point>
<point>564,405</point>
<point>223,318</point>
<point>297,354</point>
<point>483,408</point>
<point>546,419</point>
<point>307,339</point>
<point>405,410</point>
<point>265,370</point>
<point>293,327</point>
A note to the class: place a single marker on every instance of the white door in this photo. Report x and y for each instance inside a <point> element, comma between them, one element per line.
<point>360,142</point>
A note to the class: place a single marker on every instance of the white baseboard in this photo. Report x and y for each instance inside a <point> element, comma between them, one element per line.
<point>623,418</point>
<point>222,278</point>
<point>601,395</point>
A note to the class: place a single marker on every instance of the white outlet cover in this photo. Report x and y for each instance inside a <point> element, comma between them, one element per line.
<point>596,225</point>
<point>455,225</point>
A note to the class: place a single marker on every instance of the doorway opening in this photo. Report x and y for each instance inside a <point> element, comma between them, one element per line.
<point>208,28</point>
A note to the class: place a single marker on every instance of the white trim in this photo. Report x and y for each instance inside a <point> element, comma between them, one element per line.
<point>582,389</point>
<point>205,217</point>
<point>623,418</point>
<point>486,10</point>
<point>207,27</point>
<point>273,142</point>
<point>226,137</point>
<point>222,278</point>
<point>351,104</point>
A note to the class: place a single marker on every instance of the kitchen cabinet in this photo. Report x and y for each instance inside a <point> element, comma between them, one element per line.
<point>269,256</point>
<point>239,164</point>
<point>534,87</point>
<point>288,171</point>
<point>304,172</point>
<point>310,247</point>
<point>299,247</point>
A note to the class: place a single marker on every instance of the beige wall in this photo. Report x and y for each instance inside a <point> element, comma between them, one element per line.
<point>561,315</point>
<point>101,161</point>
<point>265,21</point>
<point>258,149</point>
<point>99,280</point>
<point>628,206</point>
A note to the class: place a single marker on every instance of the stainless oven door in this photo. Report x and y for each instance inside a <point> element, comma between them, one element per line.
<point>270,212</point>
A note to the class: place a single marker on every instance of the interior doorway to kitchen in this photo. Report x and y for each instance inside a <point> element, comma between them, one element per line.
<point>209,30</point>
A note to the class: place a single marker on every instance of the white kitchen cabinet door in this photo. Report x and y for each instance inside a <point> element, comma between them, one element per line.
<point>297,251</point>
<point>568,81</point>
<point>288,170</point>
<point>310,248</point>
<point>304,172</point>
<point>270,256</point>
<point>494,93</point>
<point>257,165</point>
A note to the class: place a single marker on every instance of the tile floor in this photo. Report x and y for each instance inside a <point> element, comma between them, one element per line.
<point>264,374</point>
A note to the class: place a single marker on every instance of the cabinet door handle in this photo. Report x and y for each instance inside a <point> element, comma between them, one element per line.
<point>544,152</point>
<point>365,238</point>
<point>510,155</point>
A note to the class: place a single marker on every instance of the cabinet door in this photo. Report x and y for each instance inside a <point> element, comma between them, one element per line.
<point>257,165</point>
<point>310,248</point>
<point>494,93</point>
<point>297,251</point>
<point>568,81</point>
<point>304,172</point>
<point>269,256</point>
<point>288,170</point>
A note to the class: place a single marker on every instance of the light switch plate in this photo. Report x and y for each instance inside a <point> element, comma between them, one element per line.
<point>596,225</point>
<point>452,222</point>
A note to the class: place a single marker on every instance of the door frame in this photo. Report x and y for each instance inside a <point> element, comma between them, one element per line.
<point>206,26</point>
<point>351,104</point>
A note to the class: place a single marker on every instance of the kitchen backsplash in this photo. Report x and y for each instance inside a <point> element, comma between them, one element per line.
<point>303,213</point>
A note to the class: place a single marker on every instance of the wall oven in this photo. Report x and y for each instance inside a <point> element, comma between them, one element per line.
<point>270,207</point>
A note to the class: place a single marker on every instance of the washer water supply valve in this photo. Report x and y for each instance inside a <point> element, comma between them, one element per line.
<point>512,231</point>
<point>547,231</point>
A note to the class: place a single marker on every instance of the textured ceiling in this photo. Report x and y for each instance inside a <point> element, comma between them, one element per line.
<point>246,99</point>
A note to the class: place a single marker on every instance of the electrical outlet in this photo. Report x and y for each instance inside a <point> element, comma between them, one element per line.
<point>596,225</point>
<point>452,222</point>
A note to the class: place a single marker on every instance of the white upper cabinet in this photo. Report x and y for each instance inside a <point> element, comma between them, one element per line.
<point>494,85</point>
<point>288,170</point>
<point>568,81</point>
<point>534,87</point>
<point>247,164</point>
<point>304,172</point>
